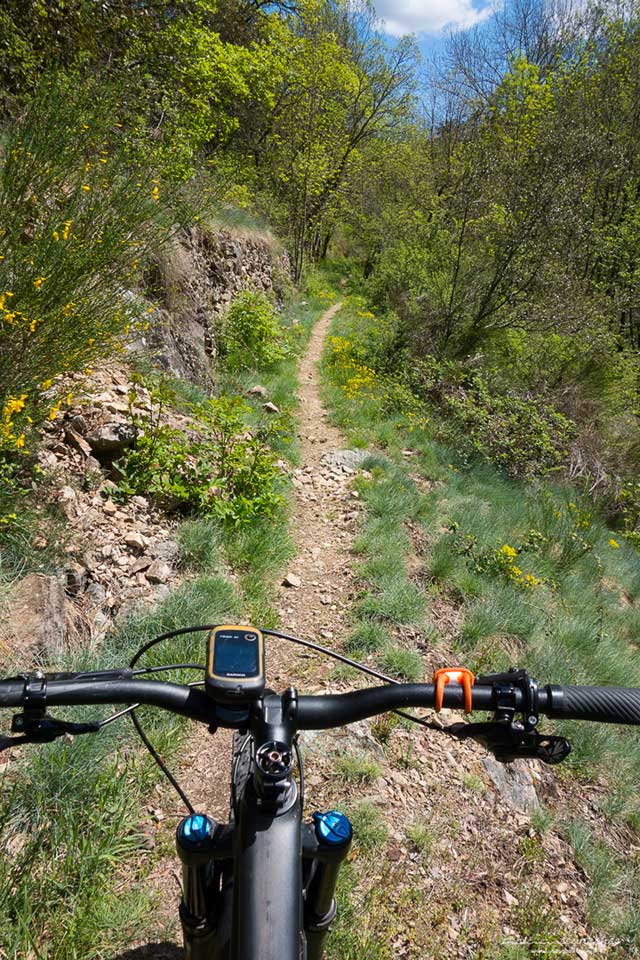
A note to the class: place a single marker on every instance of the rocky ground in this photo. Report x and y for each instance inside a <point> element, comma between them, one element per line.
<point>123,554</point>
<point>119,554</point>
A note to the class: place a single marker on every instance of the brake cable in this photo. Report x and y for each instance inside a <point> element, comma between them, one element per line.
<point>169,635</point>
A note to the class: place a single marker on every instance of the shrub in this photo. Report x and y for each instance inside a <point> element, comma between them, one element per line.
<point>251,334</point>
<point>80,208</point>
<point>526,437</point>
<point>217,468</point>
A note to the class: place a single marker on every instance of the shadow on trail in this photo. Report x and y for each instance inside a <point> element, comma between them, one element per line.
<point>153,951</point>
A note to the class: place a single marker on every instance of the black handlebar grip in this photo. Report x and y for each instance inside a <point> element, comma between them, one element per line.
<point>603,704</point>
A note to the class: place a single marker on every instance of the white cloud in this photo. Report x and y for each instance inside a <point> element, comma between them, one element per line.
<point>429,16</point>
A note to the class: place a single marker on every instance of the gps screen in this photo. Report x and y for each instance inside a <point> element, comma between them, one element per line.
<point>236,654</point>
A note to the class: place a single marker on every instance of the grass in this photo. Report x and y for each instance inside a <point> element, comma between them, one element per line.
<point>70,811</point>
<point>368,636</point>
<point>580,623</point>
<point>369,828</point>
<point>357,768</point>
<point>422,836</point>
<point>402,663</point>
<point>614,896</point>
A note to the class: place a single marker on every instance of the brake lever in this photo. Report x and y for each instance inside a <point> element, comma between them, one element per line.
<point>43,729</point>
<point>510,741</point>
<point>508,737</point>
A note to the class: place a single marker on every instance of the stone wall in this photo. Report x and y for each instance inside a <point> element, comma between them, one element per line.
<point>196,278</point>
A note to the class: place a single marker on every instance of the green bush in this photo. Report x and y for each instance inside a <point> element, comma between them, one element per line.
<point>218,468</point>
<point>251,334</point>
<point>525,437</point>
<point>80,208</point>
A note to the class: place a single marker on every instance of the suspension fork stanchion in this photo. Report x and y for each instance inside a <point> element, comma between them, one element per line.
<point>326,845</point>
<point>201,844</point>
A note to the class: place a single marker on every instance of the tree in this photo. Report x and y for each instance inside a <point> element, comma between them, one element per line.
<point>342,87</point>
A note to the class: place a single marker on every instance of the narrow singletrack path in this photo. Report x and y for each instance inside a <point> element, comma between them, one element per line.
<point>324,515</point>
<point>477,837</point>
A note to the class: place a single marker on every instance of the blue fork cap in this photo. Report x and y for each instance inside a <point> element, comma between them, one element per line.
<point>333,828</point>
<point>196,828</point>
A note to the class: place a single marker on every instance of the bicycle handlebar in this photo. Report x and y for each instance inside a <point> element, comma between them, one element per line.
<point>601,704</point>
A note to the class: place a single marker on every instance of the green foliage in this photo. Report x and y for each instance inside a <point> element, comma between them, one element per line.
<point>524,436</point>
<point>613,902</point>
<point>80,209</point>
<point>216,468</point>
<point>251,335</point>
<point>88,829</point>
<point>200,544</point>
<point>574,621</point>
<point>32,536</point>
<point>367,637</point>
<point>369,829</point>
<point>403,663</point>
<point>422,835</point>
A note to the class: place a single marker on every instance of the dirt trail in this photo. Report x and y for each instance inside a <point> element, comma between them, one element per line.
<point>324,517</point>
<point>477,840</point>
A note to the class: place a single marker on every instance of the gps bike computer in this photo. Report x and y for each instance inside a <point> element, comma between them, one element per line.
<point>235,664</point>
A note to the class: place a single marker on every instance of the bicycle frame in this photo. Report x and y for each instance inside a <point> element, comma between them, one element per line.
<point>263,887</point>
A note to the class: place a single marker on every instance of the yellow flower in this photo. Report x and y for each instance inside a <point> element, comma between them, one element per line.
<point>614,543</point>
<point>38,282</point>
<point>20,441</point>
<point>86,187</point>
<point>46,384</point>
<point>14,405</point>
<point>508,551</point>
<point>56,235</point>
<point>155,193</point>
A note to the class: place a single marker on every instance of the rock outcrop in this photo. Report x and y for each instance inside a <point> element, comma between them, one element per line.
<point>120,555</point>
<point>34,622</point>
<point>196,279</point>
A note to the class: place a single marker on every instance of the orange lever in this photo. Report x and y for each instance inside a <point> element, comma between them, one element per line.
<point>453,675</point>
